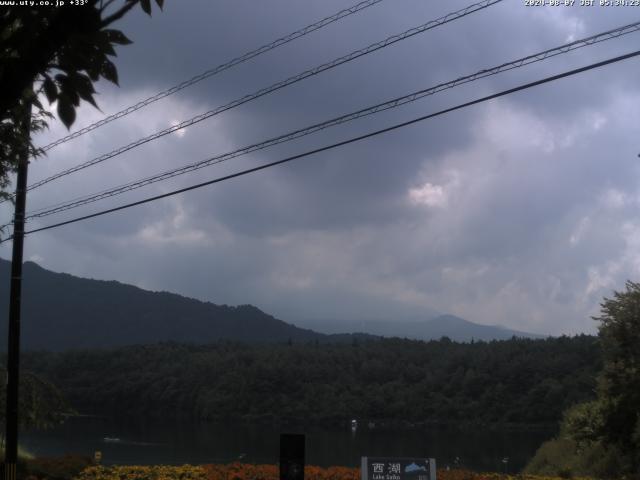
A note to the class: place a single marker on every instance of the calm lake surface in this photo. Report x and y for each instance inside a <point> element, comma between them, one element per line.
<point>196,443</point>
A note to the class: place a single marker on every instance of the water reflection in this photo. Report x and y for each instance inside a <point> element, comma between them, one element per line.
<point>126,442</point>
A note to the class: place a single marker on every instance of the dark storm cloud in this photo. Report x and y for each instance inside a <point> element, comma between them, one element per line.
<point>517,212</point>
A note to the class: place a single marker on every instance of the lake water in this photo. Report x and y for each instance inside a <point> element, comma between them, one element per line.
<point>196,443</point>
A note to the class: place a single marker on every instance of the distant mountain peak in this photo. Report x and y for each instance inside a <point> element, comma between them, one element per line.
<point>434,328</point>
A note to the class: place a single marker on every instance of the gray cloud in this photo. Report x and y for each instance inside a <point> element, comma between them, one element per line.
<point>520,212</point>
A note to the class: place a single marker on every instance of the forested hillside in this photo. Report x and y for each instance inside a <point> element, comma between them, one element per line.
<point>523,382</point>
<point>60,311</point>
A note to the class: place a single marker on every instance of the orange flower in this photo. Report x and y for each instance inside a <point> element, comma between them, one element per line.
<point>240,471</point>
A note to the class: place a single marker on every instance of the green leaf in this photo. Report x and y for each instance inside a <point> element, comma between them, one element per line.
<point>68,90</point>
<point>75,98</point>
<point>107,48</point>
<point>66,111</point>
<point>82,82</point>
<point>84,87</point>
<point>93,68</point>
<point>50,89</point>
<point>116,36</point>
<point>36,103</point>
<point>146,6</point>
<point>108,71</point>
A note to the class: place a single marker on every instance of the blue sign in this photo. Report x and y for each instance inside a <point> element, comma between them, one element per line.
<point>387,468</point>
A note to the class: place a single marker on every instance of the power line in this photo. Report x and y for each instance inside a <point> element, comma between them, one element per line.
<point>277,86</point>
<point>396,102</point>
<point>220,68</point>
<point>342,143</point>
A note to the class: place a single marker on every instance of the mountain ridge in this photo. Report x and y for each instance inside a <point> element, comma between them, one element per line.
<point>443,325</point>
<point>61,311</point>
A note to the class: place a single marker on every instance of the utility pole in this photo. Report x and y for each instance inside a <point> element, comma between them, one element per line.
<point>13,358</point>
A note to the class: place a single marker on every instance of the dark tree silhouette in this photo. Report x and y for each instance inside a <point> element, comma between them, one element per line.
<point>61,52</point>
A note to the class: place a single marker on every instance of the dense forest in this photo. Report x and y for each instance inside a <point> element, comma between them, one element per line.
<point>516,382</point>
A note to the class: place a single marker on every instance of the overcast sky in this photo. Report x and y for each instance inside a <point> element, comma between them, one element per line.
<point>522,211</point>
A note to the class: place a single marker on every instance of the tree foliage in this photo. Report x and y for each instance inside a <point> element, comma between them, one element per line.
<point>619,382</point>
<point>60,53</point>
<point>583,423</point>
<point>41,405</point>
<point>518,382</point>
<point>602,437</point>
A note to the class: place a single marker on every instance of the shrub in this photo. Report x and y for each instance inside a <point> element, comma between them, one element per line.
<point>57,468</point>
<point>566,458</point>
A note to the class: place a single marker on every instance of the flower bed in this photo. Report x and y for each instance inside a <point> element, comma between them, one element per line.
<point>161,472</point>
<point>240,471</point>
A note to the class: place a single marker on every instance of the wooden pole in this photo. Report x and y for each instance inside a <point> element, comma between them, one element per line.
<point>13,357</point>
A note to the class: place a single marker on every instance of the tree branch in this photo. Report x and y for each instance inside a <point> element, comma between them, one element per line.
<point>104,6</point>
<point>119,13</point>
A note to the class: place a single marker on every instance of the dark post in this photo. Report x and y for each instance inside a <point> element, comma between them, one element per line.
<point>13,358</point>
<point>291,457</point>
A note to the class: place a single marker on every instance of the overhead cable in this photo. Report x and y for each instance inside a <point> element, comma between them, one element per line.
<point>276,86</point>
<point>339,144</point>
<point>220,68</point>
<point>396,102</point>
